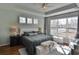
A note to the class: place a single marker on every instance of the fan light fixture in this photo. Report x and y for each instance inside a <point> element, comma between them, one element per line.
<point>44,5</point>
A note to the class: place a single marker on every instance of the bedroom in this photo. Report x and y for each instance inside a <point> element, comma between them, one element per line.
<point>37,16</point>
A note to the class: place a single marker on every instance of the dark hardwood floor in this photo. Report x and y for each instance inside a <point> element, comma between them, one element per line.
<point>7,50</point>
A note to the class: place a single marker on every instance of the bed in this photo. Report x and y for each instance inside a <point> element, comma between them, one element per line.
<point>30,42</point>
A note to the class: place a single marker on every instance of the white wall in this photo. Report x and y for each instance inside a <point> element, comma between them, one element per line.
<point>9,18</point>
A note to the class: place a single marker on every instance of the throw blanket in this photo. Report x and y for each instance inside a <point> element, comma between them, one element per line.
<point>64,49</point>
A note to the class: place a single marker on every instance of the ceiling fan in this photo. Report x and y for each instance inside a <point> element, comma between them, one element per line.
<point>44,6</point>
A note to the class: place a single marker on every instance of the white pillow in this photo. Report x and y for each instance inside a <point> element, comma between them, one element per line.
<point>55,37</point>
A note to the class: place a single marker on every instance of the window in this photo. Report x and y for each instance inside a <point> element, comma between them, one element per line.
<point>61,30</point>
<point>53,23</point>
<point>62,22</point>
<point>35,21</point>
<point>72,22</point>
<point>64,26</point>
<point>53,31</point>
<point>22,20</point>
<point>72,25</point>
<point>29,20</point>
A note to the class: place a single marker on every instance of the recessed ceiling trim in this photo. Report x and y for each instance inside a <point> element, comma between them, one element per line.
<point>73,5</point>
<point>63,12</point>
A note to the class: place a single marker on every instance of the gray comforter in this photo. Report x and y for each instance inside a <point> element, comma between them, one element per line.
<point>30,42</point>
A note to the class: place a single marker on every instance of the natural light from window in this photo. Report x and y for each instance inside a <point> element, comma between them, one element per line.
<point>66,27</point>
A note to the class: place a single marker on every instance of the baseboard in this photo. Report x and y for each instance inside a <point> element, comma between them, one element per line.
<point>4,45</point>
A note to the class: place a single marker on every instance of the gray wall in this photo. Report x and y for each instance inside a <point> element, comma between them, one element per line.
<point>9,18</point>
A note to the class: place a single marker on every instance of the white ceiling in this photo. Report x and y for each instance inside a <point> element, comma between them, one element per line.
<point>37,7</point>
<point>33,7</point>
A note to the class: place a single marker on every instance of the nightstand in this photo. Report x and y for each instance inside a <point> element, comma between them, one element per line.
<point>15,40</point>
